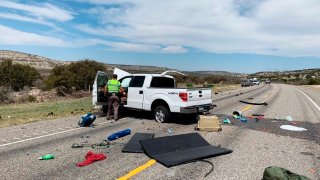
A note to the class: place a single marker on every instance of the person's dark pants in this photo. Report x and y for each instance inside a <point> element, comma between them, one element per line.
<point>113,103</point>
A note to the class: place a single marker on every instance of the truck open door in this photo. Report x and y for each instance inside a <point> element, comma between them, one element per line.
<point>98,97</point>
<point>120,73</point>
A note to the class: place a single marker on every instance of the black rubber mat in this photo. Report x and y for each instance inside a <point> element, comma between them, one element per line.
<point>133,146</point>
<point>180,149</point>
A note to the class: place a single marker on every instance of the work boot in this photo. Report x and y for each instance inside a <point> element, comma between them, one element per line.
<point>108,115</point>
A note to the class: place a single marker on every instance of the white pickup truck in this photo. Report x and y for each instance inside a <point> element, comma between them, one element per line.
<point>156,93</point>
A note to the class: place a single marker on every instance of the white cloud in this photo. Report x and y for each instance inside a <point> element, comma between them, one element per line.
<point>173,49</point>
<point>46,10</point>
<point>15,37</point>
<point>24,18</point>
<point>286,27</point>
<point>127,46</point>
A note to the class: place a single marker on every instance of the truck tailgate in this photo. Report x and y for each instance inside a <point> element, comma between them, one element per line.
<point>199,97</point>
<point>199,94</point>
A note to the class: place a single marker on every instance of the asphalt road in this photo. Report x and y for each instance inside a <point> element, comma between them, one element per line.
<point>255,144</point>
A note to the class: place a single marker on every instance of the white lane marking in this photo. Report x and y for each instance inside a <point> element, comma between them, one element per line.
<point>310,100</point>
<point>16,138</point>
<point>7,144</point>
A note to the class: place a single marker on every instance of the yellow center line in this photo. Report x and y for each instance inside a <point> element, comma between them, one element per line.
<point>247,108</point>
<point>137,170</point>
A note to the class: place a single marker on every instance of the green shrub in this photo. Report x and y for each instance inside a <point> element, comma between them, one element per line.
<point>79,75</point>
<point>189,85</point>
<point>32,98</point>
<point>4,94</point>
<point>17,76</point>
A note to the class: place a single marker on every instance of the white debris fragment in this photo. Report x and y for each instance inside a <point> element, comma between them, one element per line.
<point>292,128</point>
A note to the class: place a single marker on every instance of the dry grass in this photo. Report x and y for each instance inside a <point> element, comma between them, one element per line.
<point>219,88</point>
<point>14,114</point>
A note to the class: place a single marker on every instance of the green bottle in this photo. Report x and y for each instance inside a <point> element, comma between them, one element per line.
<point>46,157</point>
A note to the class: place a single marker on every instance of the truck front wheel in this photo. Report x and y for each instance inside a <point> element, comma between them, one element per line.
<point>162,114</point>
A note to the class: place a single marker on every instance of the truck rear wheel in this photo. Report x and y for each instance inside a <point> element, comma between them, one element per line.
<point>162,114</point>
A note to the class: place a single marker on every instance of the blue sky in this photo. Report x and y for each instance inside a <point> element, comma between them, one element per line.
<point>231,35</point>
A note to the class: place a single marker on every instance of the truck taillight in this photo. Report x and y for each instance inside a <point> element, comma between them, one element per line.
<point>183,96</point>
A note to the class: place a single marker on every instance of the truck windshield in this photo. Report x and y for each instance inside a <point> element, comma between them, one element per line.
<point>162,82</point>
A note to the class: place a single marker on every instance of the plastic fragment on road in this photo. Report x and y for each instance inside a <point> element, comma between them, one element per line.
<point>119,134</point>
<point>292,128</point>
<point>86,120</point>
<point>226,121</point>
<point>170,132</point>
<point>91,158</point>
<point>293,123</point>
<point>46,157</point>
<point>244,120</point>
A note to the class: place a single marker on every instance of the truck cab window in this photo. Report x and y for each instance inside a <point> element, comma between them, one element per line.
<point>137,81</point>
<point>162,82</point>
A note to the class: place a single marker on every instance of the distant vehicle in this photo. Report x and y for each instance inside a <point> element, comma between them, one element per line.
<point>246,83</point>
<point>156,93</point>
<point>255,82</point>
<point>268,81</point>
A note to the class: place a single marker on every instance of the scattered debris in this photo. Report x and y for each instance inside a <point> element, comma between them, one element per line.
<point>119,134</point>
<point>307,153</point>
<point>237,114</point>
<point>208,123</point>
<point>293,123</point>
<point>91,158</point>
<point>259,115</point>
<point>250,98</point>
<point>313,170</point>
<point>46,157</point>
<point>86,120</point>
<point>226,121</point>
<point>244,120</point>
<point>212,167</point>
<point>264,103</point>
<point>292,128</point>
<point>170,132</point>
<point>102,145</point>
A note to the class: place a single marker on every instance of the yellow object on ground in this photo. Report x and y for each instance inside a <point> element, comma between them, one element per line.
<point>137,170</point>
<point>208,123</point>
